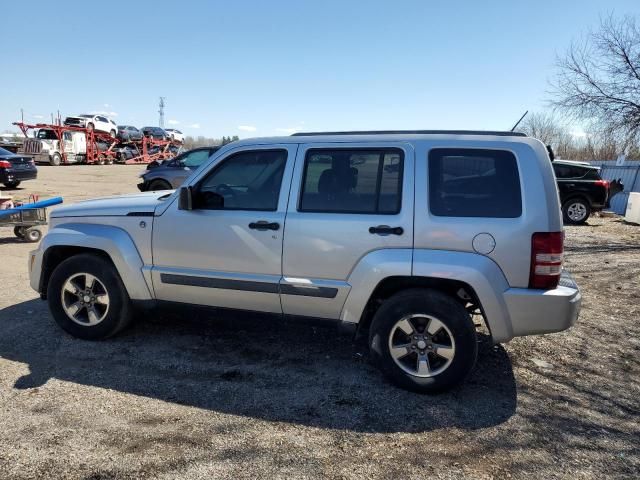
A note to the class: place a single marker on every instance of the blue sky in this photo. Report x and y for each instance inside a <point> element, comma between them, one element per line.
<point>257,68</point>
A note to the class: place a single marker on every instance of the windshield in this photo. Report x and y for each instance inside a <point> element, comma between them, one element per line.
<point>46,134</point>
<point>5,152</point>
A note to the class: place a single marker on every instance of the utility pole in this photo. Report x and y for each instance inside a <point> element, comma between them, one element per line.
<point>161,112</point>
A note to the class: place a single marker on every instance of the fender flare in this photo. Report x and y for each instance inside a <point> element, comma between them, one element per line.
<point>113,241</point>
<point>478,271</point>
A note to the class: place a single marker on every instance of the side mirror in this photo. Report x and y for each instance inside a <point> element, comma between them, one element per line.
<point>185,201</point>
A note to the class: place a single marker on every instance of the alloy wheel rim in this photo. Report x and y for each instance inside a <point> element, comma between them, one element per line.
<point>421,345</point>
<point>85,299</point>
<point>576,211</point>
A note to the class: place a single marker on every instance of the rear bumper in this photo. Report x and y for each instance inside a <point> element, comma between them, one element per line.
<point>18,175</point>
<point>534,312</point>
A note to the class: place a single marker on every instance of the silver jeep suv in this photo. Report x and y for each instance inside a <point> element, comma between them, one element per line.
<point>399,237</point>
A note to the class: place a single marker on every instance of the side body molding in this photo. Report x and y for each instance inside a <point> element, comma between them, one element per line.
<point>480,273</point>
<point>114,241</point>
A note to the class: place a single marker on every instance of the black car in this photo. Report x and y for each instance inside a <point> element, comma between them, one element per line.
<point>582,190</point>
<point>127,133</point>
<point>16,168</point>
<point>171,173</point>
<point>155,132</point>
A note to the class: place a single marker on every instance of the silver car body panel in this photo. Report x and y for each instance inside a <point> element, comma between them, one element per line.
<point>328,264</point>
<point>114,241</point>
<point>219,248</point>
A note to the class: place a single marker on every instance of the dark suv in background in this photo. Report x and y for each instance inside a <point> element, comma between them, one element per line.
<point>171,173</point>
<point>582,190</point>
<point>154,132</point>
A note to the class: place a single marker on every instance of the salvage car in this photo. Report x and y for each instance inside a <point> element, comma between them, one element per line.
<point>174,135</point>
<point>154,132</point>
<point>464,225</point>
<point>15,169</point>
<point>172,173</point>
<point>582,190</point>
<point>91,121</point>
<point>126,133</point>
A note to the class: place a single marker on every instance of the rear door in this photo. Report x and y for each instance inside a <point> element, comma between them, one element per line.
<point>345,202</point>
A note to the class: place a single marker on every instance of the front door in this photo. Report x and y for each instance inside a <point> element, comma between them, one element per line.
<point>227,251</point>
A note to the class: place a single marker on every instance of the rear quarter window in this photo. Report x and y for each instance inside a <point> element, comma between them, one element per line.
<point>466,182</point>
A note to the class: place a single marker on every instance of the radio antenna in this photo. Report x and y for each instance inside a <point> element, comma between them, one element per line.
<point>518,122</point>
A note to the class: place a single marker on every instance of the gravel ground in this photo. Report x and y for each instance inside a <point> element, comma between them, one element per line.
<point>193,396</point>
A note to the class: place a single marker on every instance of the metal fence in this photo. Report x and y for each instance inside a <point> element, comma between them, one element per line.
<point>629,174</point>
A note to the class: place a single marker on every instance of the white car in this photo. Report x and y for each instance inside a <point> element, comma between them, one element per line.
<point>175,135</point>
<point>99,123</point>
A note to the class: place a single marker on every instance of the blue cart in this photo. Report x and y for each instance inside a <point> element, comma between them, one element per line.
<point>26,219</point>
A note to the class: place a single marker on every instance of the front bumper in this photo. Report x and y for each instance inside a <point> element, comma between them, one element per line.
<point>35,268</point>
<point>534,312</point>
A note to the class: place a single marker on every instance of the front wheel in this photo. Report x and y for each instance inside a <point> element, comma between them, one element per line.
<point>159,185</point>
<point>55,160</point>
<point>12,184</point>
<point>32,234</point>
<point>87,298</point>
<point>423,340</point>
<point>576,211</point>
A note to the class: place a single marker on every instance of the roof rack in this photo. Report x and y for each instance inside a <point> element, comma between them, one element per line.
<point>414,132</point>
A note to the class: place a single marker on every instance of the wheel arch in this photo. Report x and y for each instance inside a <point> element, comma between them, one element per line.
<point>382,273</point>
<point>111,243</point>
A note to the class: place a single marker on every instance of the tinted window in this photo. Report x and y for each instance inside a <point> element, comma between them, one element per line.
<point>5,152</point>
<point>244,181</point>
<point>194,159</point>
<point>46,135</point>
<point>568,171</point>
<point>352,181</point>
<point>474,183</point>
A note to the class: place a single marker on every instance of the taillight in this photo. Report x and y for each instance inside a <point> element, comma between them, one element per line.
<point>603,183</point>
<point>5,164</point>
<point>546,259</point>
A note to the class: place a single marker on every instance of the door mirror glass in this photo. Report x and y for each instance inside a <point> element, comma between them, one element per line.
<point>185,201</point>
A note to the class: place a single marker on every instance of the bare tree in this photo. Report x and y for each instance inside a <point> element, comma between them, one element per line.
<point>599,78</point>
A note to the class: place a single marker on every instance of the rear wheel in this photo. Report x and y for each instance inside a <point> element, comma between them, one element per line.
<point>87,298</point>
<point>18,232</point>
<point>159,185</point>
<point>12,184</point>
<point>576,211</point>
<point>112,133</point>
<point>423,340</point>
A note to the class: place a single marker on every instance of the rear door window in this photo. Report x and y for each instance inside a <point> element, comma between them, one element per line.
<point>352,181</point>
<point>465,182</point>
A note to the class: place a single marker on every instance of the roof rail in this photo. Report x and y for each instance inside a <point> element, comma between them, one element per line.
<point>415,132</point>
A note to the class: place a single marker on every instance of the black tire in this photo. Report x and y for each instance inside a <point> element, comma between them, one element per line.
<point>576,211</point>
<point>159,185</point>
<point>55,160</point>
<point>32,235</point>
<point>112,133</point>
<point>90,126</point>
<point>18,232</point>
<point>12,184</point>
<point>449,312</point>
<point>120,311</point>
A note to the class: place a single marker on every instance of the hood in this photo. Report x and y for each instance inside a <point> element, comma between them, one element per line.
<point>136,204</point>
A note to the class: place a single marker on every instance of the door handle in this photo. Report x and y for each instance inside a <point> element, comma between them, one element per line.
<point>386,230</point>
<point>264,225</point>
